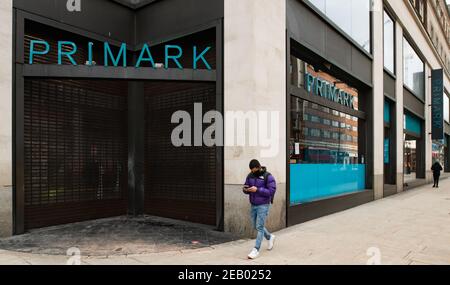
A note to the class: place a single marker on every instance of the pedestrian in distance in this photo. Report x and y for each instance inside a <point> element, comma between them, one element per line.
<point>437,168</point>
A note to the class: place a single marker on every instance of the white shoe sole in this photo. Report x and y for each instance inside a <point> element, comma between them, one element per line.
<point>273,244</point>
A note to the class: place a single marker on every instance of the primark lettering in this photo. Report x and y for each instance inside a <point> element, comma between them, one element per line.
<point>323,88</point>
<point>67,49</point>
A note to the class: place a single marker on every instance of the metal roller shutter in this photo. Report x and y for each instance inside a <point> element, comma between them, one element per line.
<point>180,183</point>
<point>75,150</point>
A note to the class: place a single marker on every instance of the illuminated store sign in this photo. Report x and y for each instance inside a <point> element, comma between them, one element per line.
<point>323,88</point>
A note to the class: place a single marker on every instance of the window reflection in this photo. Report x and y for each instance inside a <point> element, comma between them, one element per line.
<point>299,71</point>
<point>315,141</point>
<point>413,72</point>
<point>388,43</point>
<point>352,16</point>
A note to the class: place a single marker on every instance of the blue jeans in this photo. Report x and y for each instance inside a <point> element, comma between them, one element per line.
<point>259,215</point>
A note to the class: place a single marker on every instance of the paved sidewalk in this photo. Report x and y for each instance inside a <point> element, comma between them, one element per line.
<point>117,236</point>
<point>409,228</point>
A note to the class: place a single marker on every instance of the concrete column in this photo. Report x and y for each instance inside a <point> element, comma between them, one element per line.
<point>378,104</point>
<point>428,126</point>
<point>6,118</point>
<point>254,83</point>
<point>399,104</point>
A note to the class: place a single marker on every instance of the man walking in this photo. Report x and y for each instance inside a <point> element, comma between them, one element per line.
<point>260,185</point>
<point>437,168</point>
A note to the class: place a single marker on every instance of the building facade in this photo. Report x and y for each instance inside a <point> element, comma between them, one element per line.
<point>361,90</point>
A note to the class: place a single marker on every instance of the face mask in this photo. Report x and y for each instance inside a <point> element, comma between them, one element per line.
<point>258,173</point>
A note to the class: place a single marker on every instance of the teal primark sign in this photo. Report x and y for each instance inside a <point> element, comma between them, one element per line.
<point>68,49</point>
<point>325,89</point>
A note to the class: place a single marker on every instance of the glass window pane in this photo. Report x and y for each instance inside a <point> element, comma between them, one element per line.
<point>324,161</point>
<point>360,19</point>
<point>388,43</point>
<point>320,4</point>
<point>413,72</point>
<point>352,16</point>
<point>340,12</point>
<point>342,147</point>
<point>320,83</point>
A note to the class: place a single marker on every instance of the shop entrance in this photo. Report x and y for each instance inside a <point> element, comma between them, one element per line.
<point>410,159</point>
<point>413,150</point>
<point>76,152</point>
<point>99,144</point>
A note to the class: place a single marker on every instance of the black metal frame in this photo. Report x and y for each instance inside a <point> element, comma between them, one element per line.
<point>392,126</point>
<point>21,70</point>
<point>125,73</point>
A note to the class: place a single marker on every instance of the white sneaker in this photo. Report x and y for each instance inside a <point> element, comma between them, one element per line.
<point>254,254</point>
<point>271,242</point>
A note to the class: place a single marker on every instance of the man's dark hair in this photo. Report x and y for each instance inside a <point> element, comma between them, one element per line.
<point>254,164</point>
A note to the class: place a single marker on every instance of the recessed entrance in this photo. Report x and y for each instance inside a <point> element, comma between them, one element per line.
<point>410,159</point>
<point>76,152</point>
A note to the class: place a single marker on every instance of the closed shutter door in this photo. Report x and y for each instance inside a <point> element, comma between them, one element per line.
<point>75,150</point>
<point>180,183</point>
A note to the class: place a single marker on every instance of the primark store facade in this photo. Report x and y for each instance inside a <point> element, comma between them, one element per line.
<point>89,89</point>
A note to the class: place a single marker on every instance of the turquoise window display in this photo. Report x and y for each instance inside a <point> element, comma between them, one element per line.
<point>386,151</point>
<point>413,124</point>
<point>387,111</point>
<point>311,182</point>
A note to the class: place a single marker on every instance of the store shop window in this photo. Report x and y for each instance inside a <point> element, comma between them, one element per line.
<point>389,45</point>
<point>414,76</point>
<point>410,160</point>
<point>412,147</point>
<point>319,83</point>
<point>353,17</point>
<point>412,125</point>
<point>438,151</point>
<point>325,161</point>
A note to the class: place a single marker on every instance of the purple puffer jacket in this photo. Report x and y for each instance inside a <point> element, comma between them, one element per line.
<point>266,189</point>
